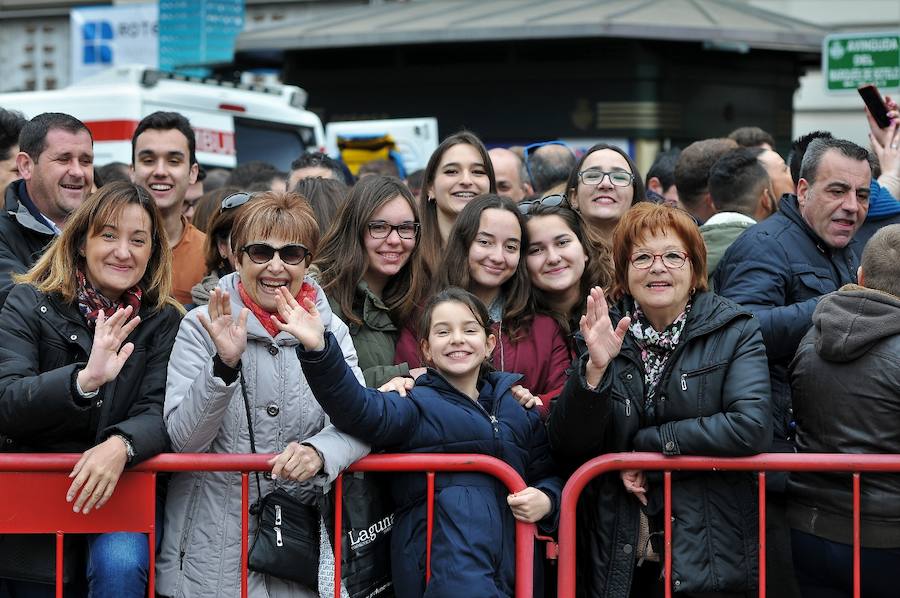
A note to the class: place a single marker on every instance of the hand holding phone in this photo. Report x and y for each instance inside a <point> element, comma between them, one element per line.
<point>875,104</point>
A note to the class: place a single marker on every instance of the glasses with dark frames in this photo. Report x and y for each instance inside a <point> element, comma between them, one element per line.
<point>262,253</point>
<point>557,199</point>
<point>670,259</point>
<point>379,229</point>
<point>594,176</point>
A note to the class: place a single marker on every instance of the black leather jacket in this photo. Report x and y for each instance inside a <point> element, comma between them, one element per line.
<point>713,399</point>
<point>846,383</point>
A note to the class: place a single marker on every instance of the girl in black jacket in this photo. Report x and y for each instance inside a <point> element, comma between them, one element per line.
<point>671,369</point>
<point>84,343</point>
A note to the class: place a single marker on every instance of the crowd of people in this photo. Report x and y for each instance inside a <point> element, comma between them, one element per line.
<point>534,304</point>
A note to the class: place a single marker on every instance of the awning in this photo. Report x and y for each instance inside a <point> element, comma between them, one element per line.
<point>724,24</point>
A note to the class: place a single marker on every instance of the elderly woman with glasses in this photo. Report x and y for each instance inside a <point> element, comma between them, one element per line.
<point>603,185</point>
<point>671,368</point>
<point>370,268</point>
<point>231,363</point>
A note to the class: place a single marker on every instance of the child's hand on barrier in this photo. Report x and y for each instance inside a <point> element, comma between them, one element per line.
<point>529,505</point>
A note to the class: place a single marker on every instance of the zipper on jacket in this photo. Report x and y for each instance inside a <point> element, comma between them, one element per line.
<point>627,407</point>
<point>684,382</point>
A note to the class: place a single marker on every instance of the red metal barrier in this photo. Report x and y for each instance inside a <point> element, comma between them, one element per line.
<point>43,508</point>
<point>826,462</point>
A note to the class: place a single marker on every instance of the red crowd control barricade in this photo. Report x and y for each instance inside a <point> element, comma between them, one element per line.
<point>836,463</point>
<point>36,503</point>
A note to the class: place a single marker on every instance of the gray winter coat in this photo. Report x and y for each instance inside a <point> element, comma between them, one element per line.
<point>200,555</point>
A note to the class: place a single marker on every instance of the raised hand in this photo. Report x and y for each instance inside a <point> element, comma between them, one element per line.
<point>108,354</point>
<point>302,321</point>
<point>96,475</point>
<point>229,336</point>
<point>603,341</point>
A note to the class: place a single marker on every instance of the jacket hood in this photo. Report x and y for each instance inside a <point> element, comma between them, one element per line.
<point>254,328</point>
<point>493,384</point>
<point>850,321</point>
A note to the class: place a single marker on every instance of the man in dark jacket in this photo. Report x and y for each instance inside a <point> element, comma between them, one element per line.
<point>846,382</point>
<point>779,269</point>
<point>56,162</point>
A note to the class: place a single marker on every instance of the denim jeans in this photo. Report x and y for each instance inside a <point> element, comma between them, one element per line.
<point>117,567</point>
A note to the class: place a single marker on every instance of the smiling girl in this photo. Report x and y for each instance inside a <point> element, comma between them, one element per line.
<point>603,185</point>
<point>484,257</point>
<point>371,271</point>
<point>458,406</point>
<point>458,171</point>
<point>563,264</point>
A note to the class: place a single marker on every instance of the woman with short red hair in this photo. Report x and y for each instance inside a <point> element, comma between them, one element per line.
<point>670,368</point>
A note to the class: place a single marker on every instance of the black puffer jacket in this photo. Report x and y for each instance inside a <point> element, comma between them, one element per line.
<point>43,344</point>
<point>713,399</point>
<point>846,382</point>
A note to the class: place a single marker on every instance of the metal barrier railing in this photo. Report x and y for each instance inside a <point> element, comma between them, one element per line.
<point>825,462</point>
<point>38,504</point>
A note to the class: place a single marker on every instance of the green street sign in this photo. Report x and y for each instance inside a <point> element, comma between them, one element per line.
<point>850,60</point>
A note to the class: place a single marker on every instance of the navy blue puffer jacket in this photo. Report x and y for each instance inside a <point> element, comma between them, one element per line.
<point>473,541</point>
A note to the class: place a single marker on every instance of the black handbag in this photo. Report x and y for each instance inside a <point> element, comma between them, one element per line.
<point>287,531</point>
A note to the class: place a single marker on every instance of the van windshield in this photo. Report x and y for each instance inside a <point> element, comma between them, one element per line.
<point>276,143</point>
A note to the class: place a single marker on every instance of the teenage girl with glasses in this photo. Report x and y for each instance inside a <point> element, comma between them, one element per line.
<point>603,185</point>
<point>370,268</point>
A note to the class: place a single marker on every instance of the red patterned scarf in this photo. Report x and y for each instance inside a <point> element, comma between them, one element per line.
<point>91,301</point>
<point>306,291</point>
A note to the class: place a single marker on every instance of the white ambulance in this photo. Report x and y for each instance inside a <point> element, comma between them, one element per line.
<point>234,123</point>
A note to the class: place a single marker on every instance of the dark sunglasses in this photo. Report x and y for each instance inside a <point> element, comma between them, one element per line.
<point>262,253</point>
<point>235,200</point>
<point>554,200</point>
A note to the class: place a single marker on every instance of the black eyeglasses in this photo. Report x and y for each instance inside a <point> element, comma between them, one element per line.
<point>262,253</point>
<point>379,229</point>
<point>533,147</point>
<point>236,200</point>
<point>670,259</point>
<point>619,178</point>
<point>554,200</point>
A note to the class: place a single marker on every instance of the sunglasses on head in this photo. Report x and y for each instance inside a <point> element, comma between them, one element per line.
<point>262,253</point>
<point>556,199</point>
<point>236,200</point>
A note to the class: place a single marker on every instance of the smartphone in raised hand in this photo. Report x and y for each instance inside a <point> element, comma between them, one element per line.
<point>874,102</point>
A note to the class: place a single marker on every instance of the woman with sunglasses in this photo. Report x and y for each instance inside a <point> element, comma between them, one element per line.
<point>484,258</point>
<point>231,363</point>
<point>562,263</point>
<point>371,271</point>
<point>671,368</point>
<point>602,186</point>
<point>459,170</point>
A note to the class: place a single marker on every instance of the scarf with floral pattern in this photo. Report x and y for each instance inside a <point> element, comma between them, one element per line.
<point>656,346</point>
<point>91,301</point>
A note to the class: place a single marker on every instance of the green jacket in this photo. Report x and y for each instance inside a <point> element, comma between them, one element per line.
<point>718,238</point>
<point>375,339</point>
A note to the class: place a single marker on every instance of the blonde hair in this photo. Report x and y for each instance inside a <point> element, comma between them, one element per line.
<point>54,272</point>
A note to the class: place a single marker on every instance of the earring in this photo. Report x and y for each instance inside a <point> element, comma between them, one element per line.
<point>693,290</point>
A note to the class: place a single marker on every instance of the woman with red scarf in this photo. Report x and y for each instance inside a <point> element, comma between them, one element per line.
<point>229,354</point>
<point>85,338</point>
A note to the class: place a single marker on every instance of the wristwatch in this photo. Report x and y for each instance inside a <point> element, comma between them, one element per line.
<point>129,448</point>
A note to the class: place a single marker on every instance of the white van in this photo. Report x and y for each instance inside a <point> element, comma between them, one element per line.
<point>233,123</point>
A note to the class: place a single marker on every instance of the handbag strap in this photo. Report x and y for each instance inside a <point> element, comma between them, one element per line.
<point>249,427</point>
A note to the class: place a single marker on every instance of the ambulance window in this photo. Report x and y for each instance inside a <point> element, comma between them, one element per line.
<point>276,143</point>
